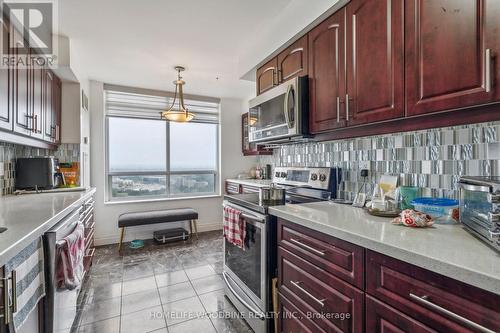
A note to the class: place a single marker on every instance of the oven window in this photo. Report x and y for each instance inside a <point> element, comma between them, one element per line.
<point>246,264</point>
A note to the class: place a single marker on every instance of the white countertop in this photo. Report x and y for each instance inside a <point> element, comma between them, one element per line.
<point>252,182</point>
<point>445,249</point>
<point>29,216</point>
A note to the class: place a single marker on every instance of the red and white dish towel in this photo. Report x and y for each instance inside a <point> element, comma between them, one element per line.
<point>234,227</point>
<point>70,252</point>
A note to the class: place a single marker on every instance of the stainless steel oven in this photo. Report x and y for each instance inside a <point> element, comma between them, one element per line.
<point>247,272</point>
<point>280,113</point>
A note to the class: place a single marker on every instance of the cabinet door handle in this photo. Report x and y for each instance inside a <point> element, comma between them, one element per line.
<point>321,302</point>
<point>347,106</point>
<point>35,121</point>
<point>28,117</point>
<point>310,248</point>
<point>424,300</point>
<point>487,68</point>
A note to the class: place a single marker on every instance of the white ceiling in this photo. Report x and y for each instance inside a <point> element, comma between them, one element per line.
<point>137,43</point>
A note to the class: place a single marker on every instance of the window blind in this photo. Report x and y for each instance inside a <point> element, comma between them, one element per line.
<point>129,104</point>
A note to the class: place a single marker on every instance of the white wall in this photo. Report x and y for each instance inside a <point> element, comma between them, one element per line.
<point>209,209</point>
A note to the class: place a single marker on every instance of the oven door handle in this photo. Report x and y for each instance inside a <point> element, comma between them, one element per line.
<point>253,218</point>
<point>257,313</point>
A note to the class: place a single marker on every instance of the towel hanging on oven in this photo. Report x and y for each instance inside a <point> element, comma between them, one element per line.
<point>70,252</point>
<point>234,227</point>
<point>28,267</point>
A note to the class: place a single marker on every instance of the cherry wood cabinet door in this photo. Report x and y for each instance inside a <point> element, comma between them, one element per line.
<point>326,71</point>
<point>267,76</point>
<point>450,54</point>
<point>57,104</point>
<point>248,148</point>
<point>5,90</point>
<point>37,86</point>
<point>381,318</point>
<point>375,60</point>
<point>20,83</point>
<point>292,320</point>
<point>293,61</point>
<point>49,110</point>
<point>3,327</point>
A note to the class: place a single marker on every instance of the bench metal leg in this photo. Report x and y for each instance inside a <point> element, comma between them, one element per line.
<point>195,224</point>
<point>121,239</point>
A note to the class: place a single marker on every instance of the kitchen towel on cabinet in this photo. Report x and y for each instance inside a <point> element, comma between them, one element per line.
<point>30,281</point>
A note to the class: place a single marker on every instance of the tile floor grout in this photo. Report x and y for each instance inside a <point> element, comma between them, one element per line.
<point>155,262</point>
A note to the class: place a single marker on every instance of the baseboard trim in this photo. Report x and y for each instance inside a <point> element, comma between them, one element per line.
<point>114,239</point>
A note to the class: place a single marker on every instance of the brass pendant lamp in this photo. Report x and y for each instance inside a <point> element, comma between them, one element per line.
<point>180,114</point>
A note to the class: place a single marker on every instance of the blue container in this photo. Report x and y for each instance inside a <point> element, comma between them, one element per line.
<point>438,208</point>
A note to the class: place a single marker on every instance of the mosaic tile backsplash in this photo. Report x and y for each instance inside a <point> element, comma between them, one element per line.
<point>66,153</point>
<point>432,159</point>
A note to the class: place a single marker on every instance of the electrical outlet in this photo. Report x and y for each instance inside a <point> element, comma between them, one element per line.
<point>364,165</point>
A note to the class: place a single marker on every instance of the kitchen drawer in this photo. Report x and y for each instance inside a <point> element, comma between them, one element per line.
<point>292,320</point>
<point>340,258</point>
<point>441,303</point>
<point>381,318</point>
<point>339,305</point>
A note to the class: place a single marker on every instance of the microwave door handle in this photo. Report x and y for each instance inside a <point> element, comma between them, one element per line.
<point>285,106</point>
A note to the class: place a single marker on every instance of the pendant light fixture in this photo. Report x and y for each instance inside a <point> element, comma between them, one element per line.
<point>181,113</point>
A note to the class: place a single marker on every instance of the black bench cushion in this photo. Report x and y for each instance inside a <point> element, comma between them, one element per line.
<point>157,216</point>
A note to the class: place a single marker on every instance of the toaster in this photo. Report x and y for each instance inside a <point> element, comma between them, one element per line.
<point>480,208</point>
<point>38,173</point>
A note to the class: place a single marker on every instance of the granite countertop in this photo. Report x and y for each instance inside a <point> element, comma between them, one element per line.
<point>252,182</point>
<point>445,249</point>
<point>29,216</point>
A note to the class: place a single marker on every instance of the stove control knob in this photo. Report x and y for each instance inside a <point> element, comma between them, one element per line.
<point>283,175</point>
<point>277,174</point>
<point>322,177</point>
<point>314,177</point>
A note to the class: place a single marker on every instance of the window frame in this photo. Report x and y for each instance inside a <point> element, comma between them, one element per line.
<point>167,173</point>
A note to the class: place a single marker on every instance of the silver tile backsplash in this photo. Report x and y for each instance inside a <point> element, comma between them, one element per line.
<point>9,152</point>
<point>431,159</point>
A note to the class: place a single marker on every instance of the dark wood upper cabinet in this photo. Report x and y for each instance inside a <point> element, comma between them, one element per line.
<point>20,84</point>
<point>450,54</point>
<point>37,99</point>
<point>248,148</point>
<point>5,76</point>
<point>375,60</point>
<point>49,107</point>
<point>327,74</point>
<point>292,62</point>
<point>267,76</point>
<point>57,109</point>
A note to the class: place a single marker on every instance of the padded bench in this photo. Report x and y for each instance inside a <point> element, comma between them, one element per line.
<point>158,216</point>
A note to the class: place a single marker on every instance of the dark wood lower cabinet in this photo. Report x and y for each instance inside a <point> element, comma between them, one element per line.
<point>3,327</point>
<point>395,296</point>
<point>381,318</point>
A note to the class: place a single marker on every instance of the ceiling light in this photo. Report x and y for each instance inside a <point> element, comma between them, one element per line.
<point>181,113</point>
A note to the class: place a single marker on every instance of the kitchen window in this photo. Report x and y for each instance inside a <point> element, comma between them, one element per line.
<point>150,158</point>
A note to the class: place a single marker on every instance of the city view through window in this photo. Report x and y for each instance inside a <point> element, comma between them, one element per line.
<point>161,158</point>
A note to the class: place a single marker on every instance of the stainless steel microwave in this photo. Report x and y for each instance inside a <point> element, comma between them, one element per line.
<point>281,113</point>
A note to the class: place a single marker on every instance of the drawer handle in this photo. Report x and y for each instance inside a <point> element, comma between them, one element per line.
<point>319,301</point>
<point>424,300</point>
<point>310,248</point>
